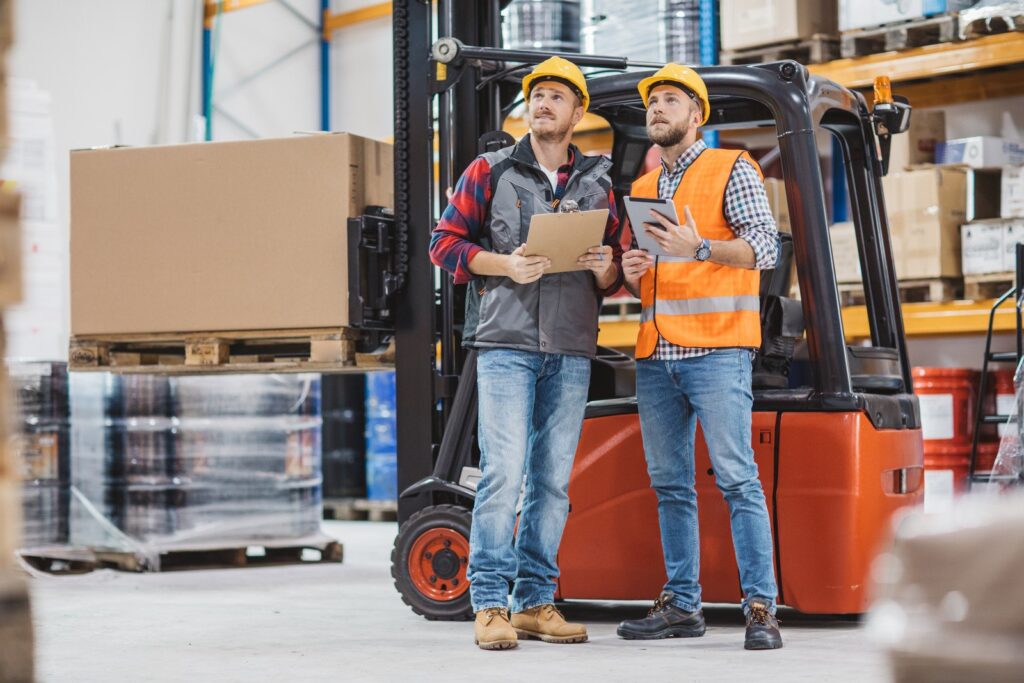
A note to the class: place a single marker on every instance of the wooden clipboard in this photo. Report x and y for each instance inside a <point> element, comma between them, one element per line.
<point>564,237</point>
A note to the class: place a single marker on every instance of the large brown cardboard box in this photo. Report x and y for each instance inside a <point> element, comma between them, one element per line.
<point>926,208</point>
<point>917,145</point>
<point>749,23</point>
<point>219,236</point>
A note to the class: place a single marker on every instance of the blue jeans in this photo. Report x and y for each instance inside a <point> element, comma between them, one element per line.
<point>531,414</point>
<point>671,396</point>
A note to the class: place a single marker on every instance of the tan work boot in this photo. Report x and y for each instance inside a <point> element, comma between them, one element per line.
<point>493,630</point>
<point>547,623</point>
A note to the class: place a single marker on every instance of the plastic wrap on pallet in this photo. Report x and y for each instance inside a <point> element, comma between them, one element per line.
<point>40,435</point>
<point>643,30</point>
<point>990,16</point>
<point>948,593</point>
<point>552,25</point>
<point>178,463</point>
<point>381,437</point>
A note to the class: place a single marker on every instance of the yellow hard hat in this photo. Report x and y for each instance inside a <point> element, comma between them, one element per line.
<point>683,76</point>
<point>559,70</point>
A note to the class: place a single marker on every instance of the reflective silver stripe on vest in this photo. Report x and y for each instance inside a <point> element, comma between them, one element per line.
<point>710,304</point>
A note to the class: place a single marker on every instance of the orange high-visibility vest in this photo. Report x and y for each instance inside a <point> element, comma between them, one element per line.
<point>692,303</point>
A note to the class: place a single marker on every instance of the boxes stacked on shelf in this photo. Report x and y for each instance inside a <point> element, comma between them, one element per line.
<point>864,13</point>
<point>872,26</point>
<point>989,244</point>
<point>173,464</point>
<point>799,29</point>
<point>926,207</point>
<point>919,143</point>
<point>142,218</point>
<point>381,437</point>
<point>16,638</point>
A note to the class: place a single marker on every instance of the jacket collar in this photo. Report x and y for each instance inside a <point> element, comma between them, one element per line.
<point>522,153</point>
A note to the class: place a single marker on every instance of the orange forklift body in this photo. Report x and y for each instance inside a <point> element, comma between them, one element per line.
<point>832,483</point>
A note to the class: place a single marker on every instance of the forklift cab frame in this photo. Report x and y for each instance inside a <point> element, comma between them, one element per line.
<point>858,398</point>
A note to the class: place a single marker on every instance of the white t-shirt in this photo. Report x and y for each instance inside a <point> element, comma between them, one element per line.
<point>552,177</point>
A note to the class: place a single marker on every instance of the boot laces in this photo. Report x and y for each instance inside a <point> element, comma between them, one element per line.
<point>663,601</point>
<point>549,612</point>
<point>492,612</point>
<point>759,614</point>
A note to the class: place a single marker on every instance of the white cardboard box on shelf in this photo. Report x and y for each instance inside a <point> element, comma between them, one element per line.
<point>983,247</point>
<point>749,23</point>
<point>1011,196</point>
<point>1013,235</point>
<point>845,253</point>
<point>980,151</point>
<point>865,13</point>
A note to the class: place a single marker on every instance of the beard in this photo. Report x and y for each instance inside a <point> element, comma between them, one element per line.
<point>667,137</point>
<point>555,134</point>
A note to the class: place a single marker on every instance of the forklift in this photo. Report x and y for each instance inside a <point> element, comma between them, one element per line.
<point>836,427</point>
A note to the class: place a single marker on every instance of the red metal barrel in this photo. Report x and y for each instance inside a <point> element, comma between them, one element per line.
<point>987,452</point>
<point>947,400</point>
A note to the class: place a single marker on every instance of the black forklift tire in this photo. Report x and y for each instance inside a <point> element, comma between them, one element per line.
<point>444,527</point>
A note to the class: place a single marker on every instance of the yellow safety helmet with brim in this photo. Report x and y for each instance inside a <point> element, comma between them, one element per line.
<point>561,71</point>
<point>682,77</point>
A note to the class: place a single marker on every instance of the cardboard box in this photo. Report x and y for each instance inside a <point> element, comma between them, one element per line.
<point>845,255</point>
<point>219,236</point>
<point>10,248</point>
<point>981,151</point>
<point>776,191</point>
<point>1011,196</point>
<point>865,13</point>
<point>983,245</point>
<point>1013,235</point>
<point>926,208</point>
<point>749,23</point>
<point>917,145</point>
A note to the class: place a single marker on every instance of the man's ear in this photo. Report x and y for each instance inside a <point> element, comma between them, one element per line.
<point>577,115</point>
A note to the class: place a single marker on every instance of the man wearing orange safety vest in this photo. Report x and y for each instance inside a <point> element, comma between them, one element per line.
<point>699,327</point>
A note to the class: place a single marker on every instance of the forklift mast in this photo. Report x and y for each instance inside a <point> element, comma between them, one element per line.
<point>453,78</point>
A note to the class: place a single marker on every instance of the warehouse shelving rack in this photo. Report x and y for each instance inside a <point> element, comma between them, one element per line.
<point>1015,294</point>
<point>323,32</point>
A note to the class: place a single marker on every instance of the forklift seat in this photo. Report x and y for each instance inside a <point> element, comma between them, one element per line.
<point>782,322</point>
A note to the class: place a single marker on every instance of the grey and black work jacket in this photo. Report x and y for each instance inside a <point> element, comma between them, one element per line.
<point>557,313</point>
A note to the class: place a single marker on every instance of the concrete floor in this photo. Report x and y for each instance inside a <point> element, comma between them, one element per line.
<point>345,622</point>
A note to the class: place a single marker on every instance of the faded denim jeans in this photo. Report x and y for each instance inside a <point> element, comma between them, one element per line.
<point>531,409</point>
<point>671,396</point>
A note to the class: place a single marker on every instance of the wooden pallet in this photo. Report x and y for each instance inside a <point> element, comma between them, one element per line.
<point>360,509</point>
<point>985,22</point>
<point>77,560</point>
<point>934,290</point>
<point>308,350</point>
<point>869,41</point>
<point>817,49</point>
<point>989,286</point>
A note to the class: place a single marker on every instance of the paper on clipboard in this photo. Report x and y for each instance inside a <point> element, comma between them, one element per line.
<point>564,237</point>
<point>639,211</point>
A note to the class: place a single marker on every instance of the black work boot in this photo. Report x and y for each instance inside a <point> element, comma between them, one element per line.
<point>664,621</point>
<point>762,628</point>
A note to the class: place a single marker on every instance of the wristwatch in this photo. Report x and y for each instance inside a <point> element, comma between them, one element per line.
<point>703,252</point>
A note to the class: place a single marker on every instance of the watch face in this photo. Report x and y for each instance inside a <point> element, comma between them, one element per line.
<point>703,252</point>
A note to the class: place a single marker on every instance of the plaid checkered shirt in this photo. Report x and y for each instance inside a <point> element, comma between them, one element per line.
<point>747,213</point>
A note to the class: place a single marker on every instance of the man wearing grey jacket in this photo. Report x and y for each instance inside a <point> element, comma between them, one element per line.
<point>535,336</point>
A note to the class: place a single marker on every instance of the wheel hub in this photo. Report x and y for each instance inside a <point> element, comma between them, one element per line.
<point>437,564</point>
